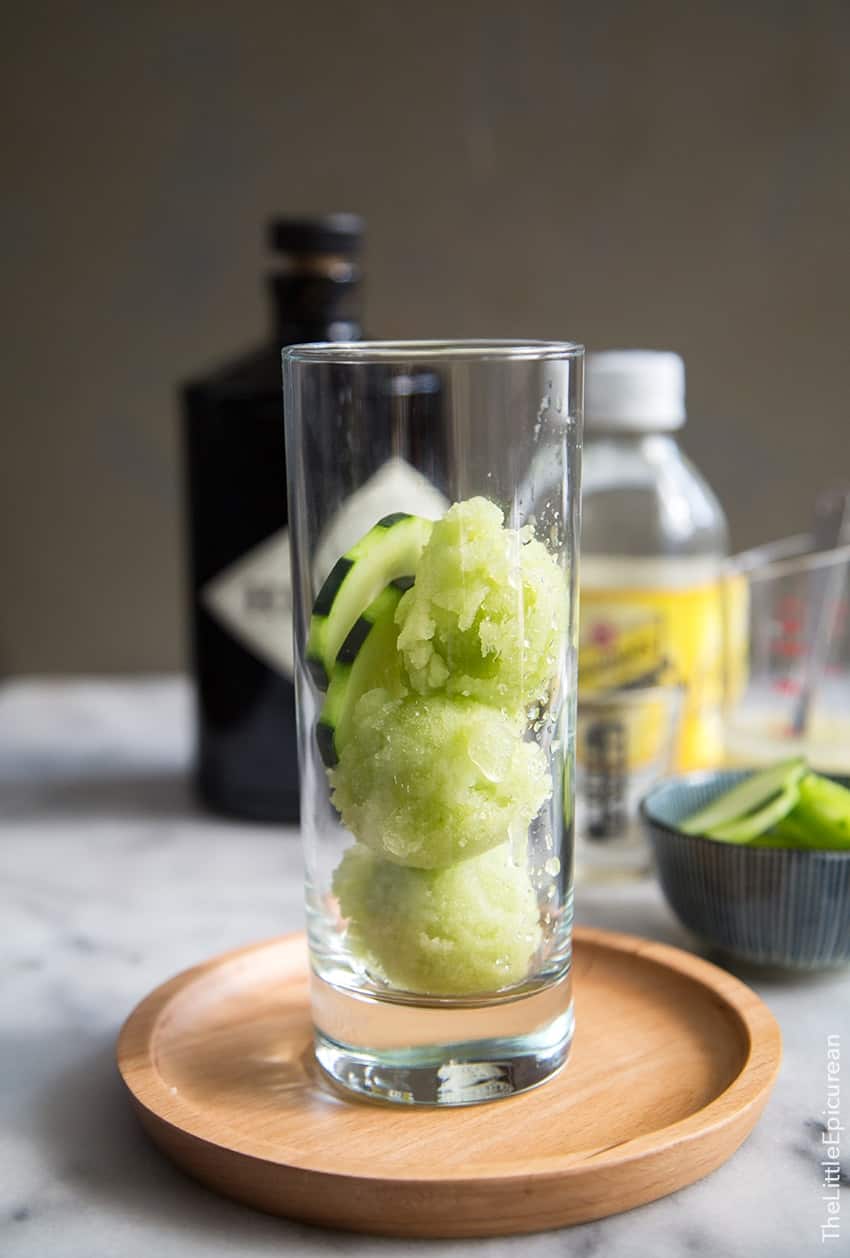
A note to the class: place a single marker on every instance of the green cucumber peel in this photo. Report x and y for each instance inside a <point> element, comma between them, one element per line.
<point>386,554</point>
<point>827,801</point>
<point>821,818</point>
<point>775,837</point>
<point>368,659</point>
<point>753,793</point>
<point>788,832</point>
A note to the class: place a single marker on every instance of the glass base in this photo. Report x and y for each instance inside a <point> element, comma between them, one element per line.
<point>413,1068</point>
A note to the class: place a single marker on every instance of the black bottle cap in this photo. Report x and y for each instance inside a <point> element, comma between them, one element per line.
<point>317,233</point>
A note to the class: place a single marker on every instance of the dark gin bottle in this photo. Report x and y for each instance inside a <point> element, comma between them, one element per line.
<point>241,597</point>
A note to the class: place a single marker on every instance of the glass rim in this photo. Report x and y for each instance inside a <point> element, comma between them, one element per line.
<point>461,350</point>
<point>784,558</point>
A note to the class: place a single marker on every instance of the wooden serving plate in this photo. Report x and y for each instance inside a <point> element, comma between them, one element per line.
<point>671,1065</point>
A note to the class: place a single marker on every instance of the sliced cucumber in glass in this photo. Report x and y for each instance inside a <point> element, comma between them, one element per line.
<point>367,659</point>
<point>386,555</point>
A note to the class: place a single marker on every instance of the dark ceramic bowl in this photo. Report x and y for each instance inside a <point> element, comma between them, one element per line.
<point>768,905</point>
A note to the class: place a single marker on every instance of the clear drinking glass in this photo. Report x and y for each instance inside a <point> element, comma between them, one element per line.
<point>434,504</point>
<point>788,653</point>
<point>625,742</point>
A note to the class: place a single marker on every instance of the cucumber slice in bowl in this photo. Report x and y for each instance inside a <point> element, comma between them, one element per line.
<point>823,813</point>
<point>368,658</point>
<point>385,556</point>
<point>755,824</point>
<point>753,793</point>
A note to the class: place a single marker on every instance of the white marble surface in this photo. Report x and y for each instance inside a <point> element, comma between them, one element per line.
<point>112,881</point>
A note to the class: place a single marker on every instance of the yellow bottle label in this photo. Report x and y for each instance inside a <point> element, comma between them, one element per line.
<point>664,637</point>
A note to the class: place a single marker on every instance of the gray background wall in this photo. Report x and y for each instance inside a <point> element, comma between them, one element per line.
<point>669,175</point>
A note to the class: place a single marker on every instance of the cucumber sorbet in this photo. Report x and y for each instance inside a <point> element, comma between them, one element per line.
<point>468,928</point>
<point>423,733</point>
<point>485,616</point>
<point>431,781</point>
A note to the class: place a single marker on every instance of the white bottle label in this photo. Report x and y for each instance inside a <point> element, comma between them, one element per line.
<point>396,486</point>
<point>252,598</point>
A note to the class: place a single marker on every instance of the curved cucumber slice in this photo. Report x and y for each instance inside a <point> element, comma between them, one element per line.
<point>745,798</point>
<point>756,823</point>
<point>388,553</point>
<point>367,658</point>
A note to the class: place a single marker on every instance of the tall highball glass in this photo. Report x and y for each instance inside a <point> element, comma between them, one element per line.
<point>434,511</point>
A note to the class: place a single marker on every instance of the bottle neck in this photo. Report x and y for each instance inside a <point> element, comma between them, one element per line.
<point>315,297</point>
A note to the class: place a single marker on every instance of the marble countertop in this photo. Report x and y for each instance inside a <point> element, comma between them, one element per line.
<point>112,880</point>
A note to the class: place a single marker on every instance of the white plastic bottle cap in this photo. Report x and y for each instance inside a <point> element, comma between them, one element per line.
<point>635,389</point>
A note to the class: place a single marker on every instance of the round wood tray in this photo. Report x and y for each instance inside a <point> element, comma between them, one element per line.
<point>671,1065</point>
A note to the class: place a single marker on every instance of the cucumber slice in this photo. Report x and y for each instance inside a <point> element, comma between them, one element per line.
<point>368,658</point>
<point>824,812</point>
<point>744,798</point>
<point>821,818</point>
<point>789,832</point>
<point>756,823</point>
<point>775,837</point>
<point>387,554</point>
